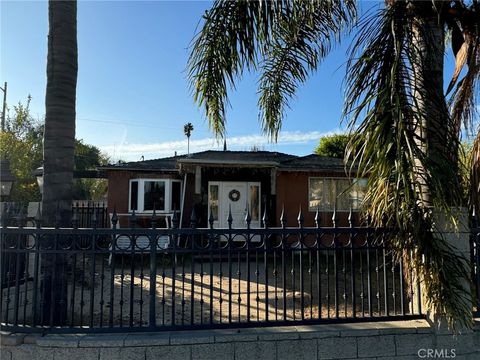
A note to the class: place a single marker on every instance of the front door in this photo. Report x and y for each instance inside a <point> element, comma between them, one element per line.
<point>236,196</point>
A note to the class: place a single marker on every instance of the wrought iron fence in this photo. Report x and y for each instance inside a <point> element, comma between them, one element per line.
<point>475,261</point>
<point>86,211</point>
<point>139,279</point>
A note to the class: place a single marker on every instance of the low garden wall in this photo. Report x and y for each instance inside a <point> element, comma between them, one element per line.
<point>413,339</point>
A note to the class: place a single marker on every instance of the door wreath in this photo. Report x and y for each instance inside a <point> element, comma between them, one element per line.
<point>234,195</point>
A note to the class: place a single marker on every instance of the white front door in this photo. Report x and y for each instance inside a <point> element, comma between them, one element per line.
<point>224,196</point>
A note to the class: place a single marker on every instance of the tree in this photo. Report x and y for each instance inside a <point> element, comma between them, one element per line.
<point>88,157</point>
<point>58,147</point>
<point>60,100</point>
<point>187,130</point>
<point>408,129</point>
<point>21,144</point>
<point>333,145</point>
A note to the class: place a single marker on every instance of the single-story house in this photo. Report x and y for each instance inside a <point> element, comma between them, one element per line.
<point>219,181</point>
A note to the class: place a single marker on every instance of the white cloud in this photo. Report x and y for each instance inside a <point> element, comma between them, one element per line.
<point>128,151</point>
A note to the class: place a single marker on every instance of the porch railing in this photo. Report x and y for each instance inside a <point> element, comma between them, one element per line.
<point>137,279</point>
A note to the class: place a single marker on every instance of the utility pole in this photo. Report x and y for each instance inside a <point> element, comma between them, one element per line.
<point>4,89</point>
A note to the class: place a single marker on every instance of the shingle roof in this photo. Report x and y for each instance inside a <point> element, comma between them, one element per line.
<point>227,157</point>
<point>314,162</point>
<point>163,164</point>
<point>283,161</point>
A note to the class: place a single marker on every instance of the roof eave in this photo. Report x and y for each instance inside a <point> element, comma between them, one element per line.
<point>311,169</point>
<point>228,163</point>
<point>138,169</point>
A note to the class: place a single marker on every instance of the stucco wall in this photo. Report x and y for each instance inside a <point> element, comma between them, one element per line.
<point>292,191</point>
<point>118,191</point>
<point>387,340</point>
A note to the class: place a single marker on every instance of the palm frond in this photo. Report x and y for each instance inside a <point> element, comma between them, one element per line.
<point>227,42</point>
<point>298,44</point>
<point>393,102</point>
<point>475,174</point>
<point>238,35</point>
<point>463,102</point>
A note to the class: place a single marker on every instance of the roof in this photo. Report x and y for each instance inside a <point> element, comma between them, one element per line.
<point>267,158</point>
<point>284,162</point>
<point>313,162</point>
<point>163,164</point>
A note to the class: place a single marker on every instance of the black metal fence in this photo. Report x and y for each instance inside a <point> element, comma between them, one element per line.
<point>475,261</point>
<point>137,279</point>
<point>85,213</point>
<point>88,211</point>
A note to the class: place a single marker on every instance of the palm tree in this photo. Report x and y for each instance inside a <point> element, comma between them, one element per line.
<point>187,130</point>
<point>407,129</point>
<point>59,144</point>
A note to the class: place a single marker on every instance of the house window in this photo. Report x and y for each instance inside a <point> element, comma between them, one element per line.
<point>176,195</point>
<point>133,195</point>
<point>153,195</point>
<point>254,202</point>
<point>160,194</point>
<point>340,193</point>
<point>213,200</point>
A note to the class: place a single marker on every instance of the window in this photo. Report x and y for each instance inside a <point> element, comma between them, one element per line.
<point>340,193</point>
<point>254,202</point>
<point>153,195</point>
<point>133,195</point>
<point>160,194</point>
<point>176,195</point>
<point>213,200</point>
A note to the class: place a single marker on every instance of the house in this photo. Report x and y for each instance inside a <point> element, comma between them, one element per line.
<point>217,182</point>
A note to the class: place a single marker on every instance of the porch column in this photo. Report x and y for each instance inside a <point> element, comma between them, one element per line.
<point>198,179</point>
<point>273,181</point>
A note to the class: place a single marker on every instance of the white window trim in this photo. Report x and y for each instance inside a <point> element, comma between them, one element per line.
<point>329,178</point>
<point>141,192</point>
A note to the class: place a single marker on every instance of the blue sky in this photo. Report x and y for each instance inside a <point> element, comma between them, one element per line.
<point>133,96</point>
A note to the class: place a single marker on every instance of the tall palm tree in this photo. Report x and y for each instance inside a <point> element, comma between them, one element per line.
<point>187,130</point>
<point>406,128</point>
<point>59,144</point>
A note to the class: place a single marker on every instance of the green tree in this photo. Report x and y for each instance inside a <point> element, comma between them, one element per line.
<point>408,129</point>
<point>333,145</point>
<point>187,130</point>
<point>88,157</point>
<point>21,144</point>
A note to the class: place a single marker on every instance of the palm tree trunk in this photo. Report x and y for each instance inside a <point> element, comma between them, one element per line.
<point>59,143</point>
<point>432,129</point>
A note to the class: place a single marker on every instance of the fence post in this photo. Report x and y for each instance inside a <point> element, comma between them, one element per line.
<point>153,272</point>
<point>265,239</point>
<point>351,224</point>
<point>475,257</point>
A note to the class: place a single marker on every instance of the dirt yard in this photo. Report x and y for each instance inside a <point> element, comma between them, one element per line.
<point>207,290</point>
